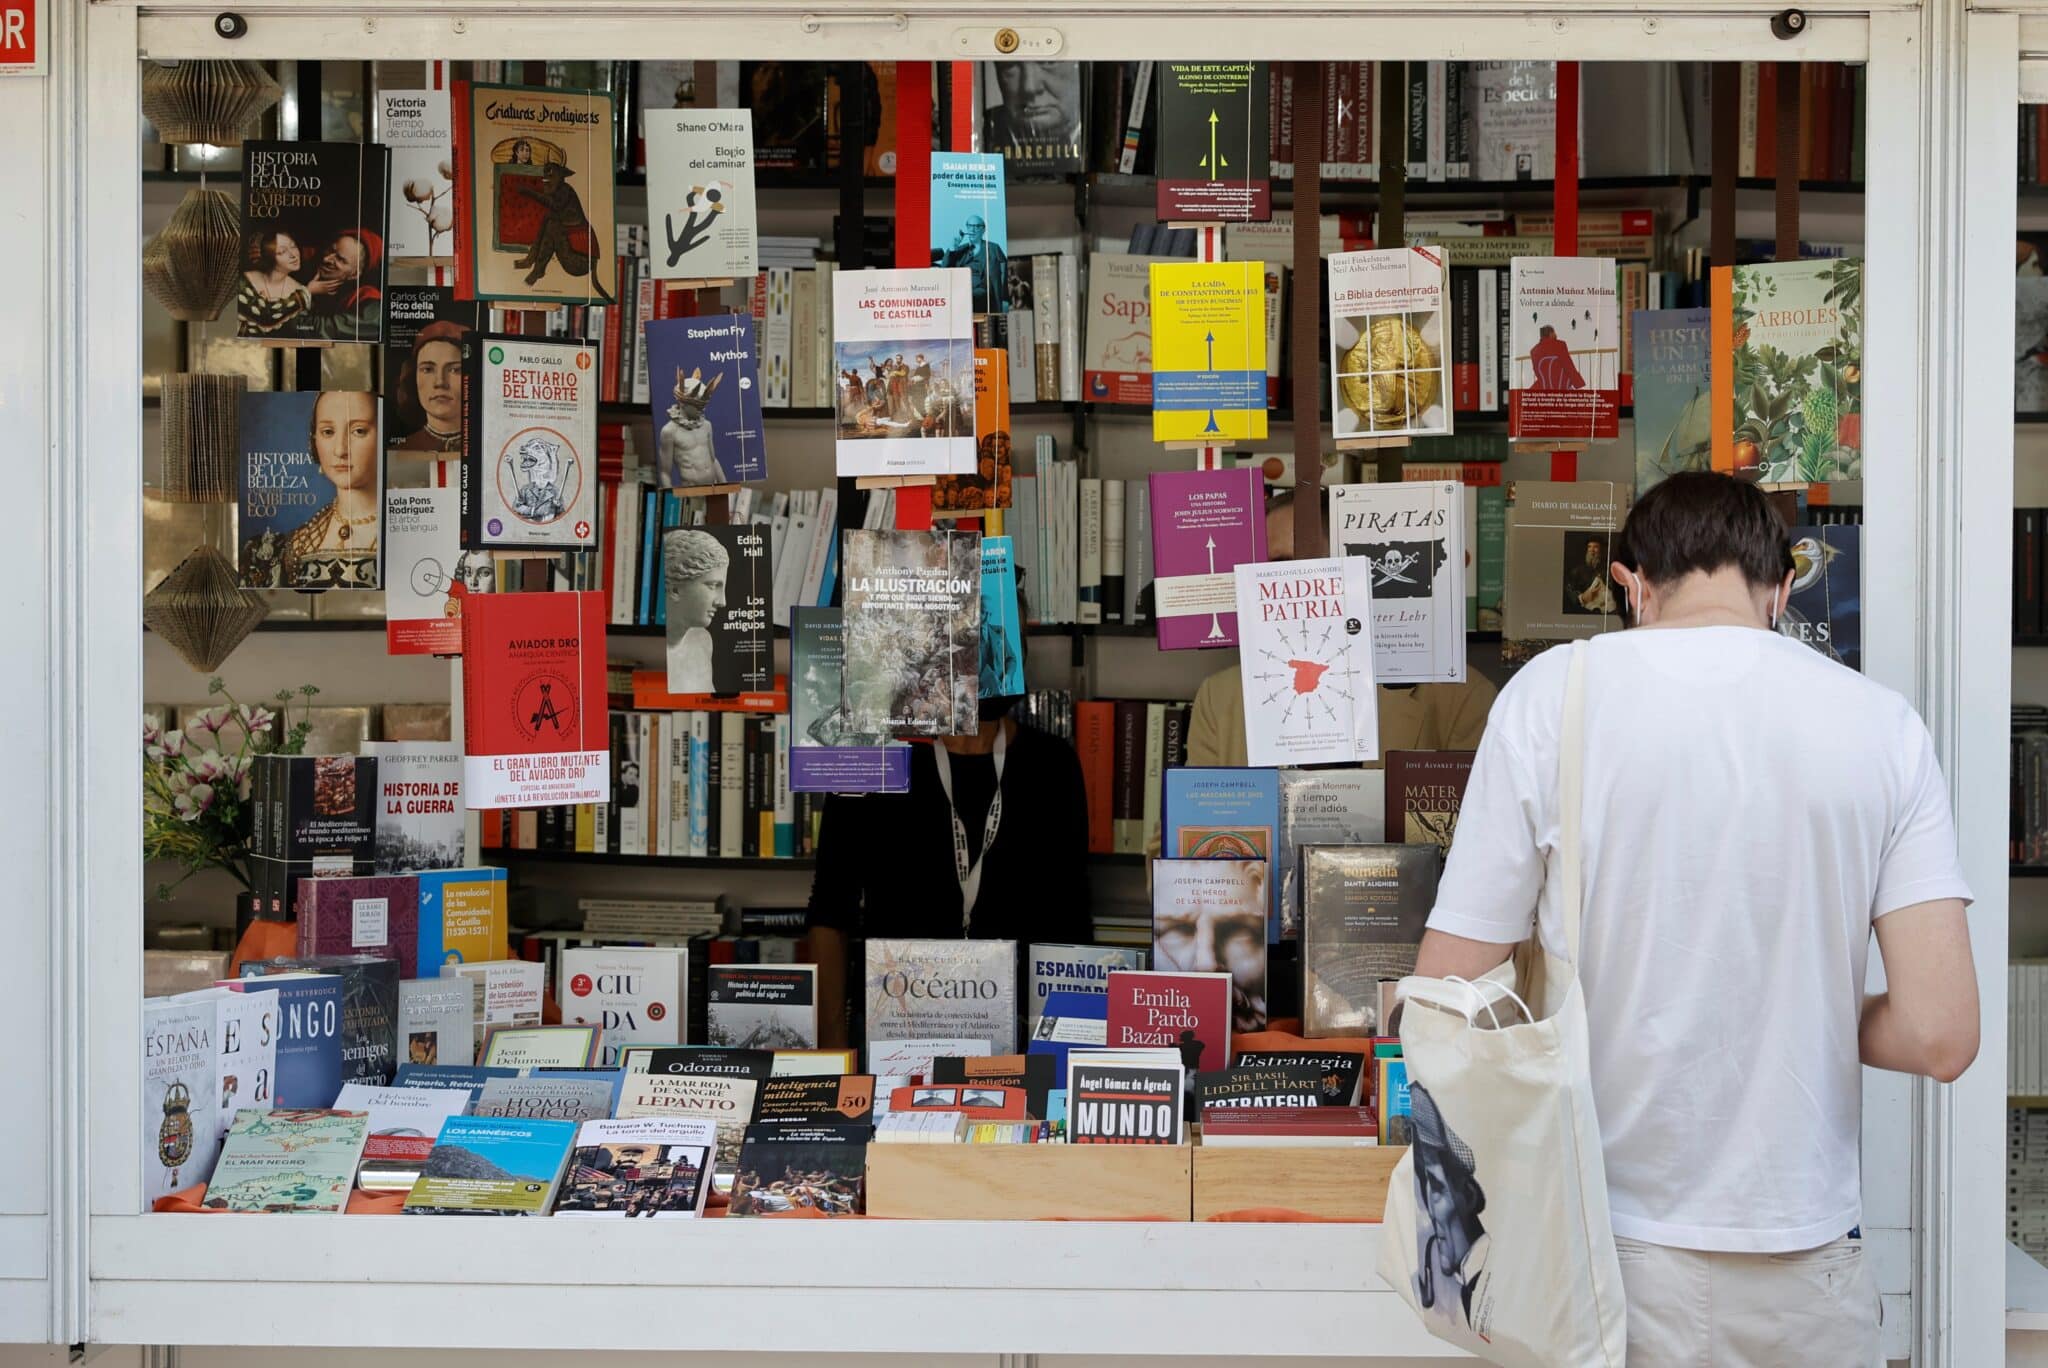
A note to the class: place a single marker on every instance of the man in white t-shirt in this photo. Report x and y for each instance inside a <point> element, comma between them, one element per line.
<point>1752,810</point>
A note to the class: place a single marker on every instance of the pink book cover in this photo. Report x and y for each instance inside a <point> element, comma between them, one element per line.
<point>1185,1012</point>
<point>1204,522</point>
<point>375,915</point>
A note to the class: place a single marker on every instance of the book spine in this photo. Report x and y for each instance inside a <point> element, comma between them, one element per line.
<point>1095,743</point>
<point>1154,773</point>
<point>1045,294</point>
<point>1489,353</point>
<point>1434,149</point>
<point>731,785</point>
<point>1134,121</point>
<point>1417,76</point>
<point>1128,782</point>
<point>785,802</point>
<point>1112,598</point>
<point>1457,126</point>
<point>1070,328</point>
<point>1090,580</point>
<point>1465,335</point>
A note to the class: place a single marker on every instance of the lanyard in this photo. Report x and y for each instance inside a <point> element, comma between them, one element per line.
<point>970,874</point>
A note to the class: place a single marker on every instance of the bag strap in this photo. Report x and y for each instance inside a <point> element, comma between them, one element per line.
<point>1571,786</point>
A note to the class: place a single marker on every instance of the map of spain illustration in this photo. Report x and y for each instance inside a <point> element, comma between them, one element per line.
<point>1307,674</point>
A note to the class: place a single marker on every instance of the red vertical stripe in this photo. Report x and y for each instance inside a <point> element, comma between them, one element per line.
<point>1566,208</point>
<point>1564,466</point>
<point>913,165</point>
<point>914,508</point>
<point>963,114</point>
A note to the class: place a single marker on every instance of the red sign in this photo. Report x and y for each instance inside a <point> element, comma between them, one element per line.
<point>20,53</point>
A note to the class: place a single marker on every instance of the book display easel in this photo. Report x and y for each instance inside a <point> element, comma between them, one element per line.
<point>642,794</point>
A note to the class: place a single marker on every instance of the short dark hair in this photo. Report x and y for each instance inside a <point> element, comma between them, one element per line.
<point>1703,521</point>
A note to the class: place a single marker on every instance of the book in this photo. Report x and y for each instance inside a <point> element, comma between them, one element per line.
<point>418,127</point>
<point>726,1101</point>
<point>701,1061</point>
<point>463,918</point>
<point>1209,915</point>
<point>1341,1071</point>
<point>436,1022</point>
<point>1390,343</point>
<point>1514,120</point>
<point>821,1100</point>
<point>296,1159</point>
<point>1560,540</point>
<point>534,726</point>
<point>426,333</point>
<point>913,632</point>
<point>706,390</point>
<point>309,1014</point>
<point>422,612</point>
<point>529,473</point>
<point>374,915</point>
<point>1326,1127</point>
<point>1412,537</point>
<point>1031,116</point>
<point>969,223</point>
<point>700,194</point>
<point>1673,382</point>
<point>403,1125</point>
<point>545,1094</point>
<point>502,993</point>
<point>1308,669</point>
<point>718,583</point>
<point>314,240</point>
<point>1034,1076</point>
<point>1425,791</point>
<point>1565,344</point>
<point>1074,968</point>
<point>1002,629</point>
<point>1117,362</point>
<point>1162,1008</point>
<point>919,989</point>
<point>1826,607</point>
<point>419,815</point>
<point>1204,524</point>
<point>369,1006</point>
<point>319,818</point>
<point>492,1166</point>
<point>658,1167</point>
<point>180,1122</point>
<point>889,1060</point>
<point>534,202</point>
<point>1324,807</point>
<point>1363,913</point>
<point>1220,814</point>
<point>826,755</point>
<point>798,1167</point>
<point>1113,1103</point>
<point>469,1078</point>
<point>1262,1083</point>
<point>978,1102</point>
<point>636,995</point>
<point>1788,371</point>
<point>990,486</point>
<point>1208,351</point>
<point>567,1046</point>
<point>906,338</point>
<point>309,490</point>
<point>1391,1100</point>
<point>1214,133</point>
<point>762,1006</point>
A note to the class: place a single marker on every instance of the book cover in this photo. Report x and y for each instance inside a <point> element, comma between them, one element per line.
<point>970,224</point>
<point>1124,1104</point>
<point>989,487</point>
<point>1162,1008</point>
<point>403,1125</point>
<point>1210,916</point>
<point>469,1078</point>
<point>1389,343</point>
<point>1425,791</point>
<point>300,1159</point>
<point>1034,1076</point>
<point>1341,1071</point>
<point>905,341</point>
<point>1211,157</point>
<point>1307,658</point>
<point>422,611</point>
<point>1262,1083</point>
<point>1363,913</point>
<point>658,1167</point>
<point>726,1101</point>
<point>1324,807</point>
<point>529,477</point>
<point>704,1061</point>
<point>1208,351</point>
<point>1788,371</point>
<point>1412,537</point>
<point>505,993</point>
<point>1391,1097</point>
<point>565,1046</point>
<point>762,1006</point>
<point>419,128</point>
<point>534,202</point>
<point>913,632</point>
<point>707,401</point>
<point>890,1060</point>
<point>1564,339</point>
<point>309,1014</point>
<point>1002,628</point>
<point>1031,116</point>
<point>1221,814</point>
<point>180,1120</point>
<point>1204,524</point>
<point>1560,540</point>
<point>1514,121</point>
<point>1074,968</point>
<point>796,1167</point>
<point>1117,362</point>
<point>718,588</point>
<point>1826,607</point>
<point>545,1096</point>
<point>1673,382</point>
<point>700,193</point>
<point>822,1100</point>
<point>925,989</point>
<point>534,722</point>
<point>638,996</point>
<point>377,914</point>
<point>436,1022</point>
<point>463,918</point>
<point>419,812</point>
<point>369,1006</point>
<point>814,1063</point>
<point>247,1027</point>
<point>825,754</point>
<point>310,490</point>
<point>314,240</point>
<point>492,1166</point>
<point>426,335</point>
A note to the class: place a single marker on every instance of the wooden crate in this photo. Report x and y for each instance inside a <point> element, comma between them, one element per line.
<point>1029,1182</point>
<point>1338,1184</point>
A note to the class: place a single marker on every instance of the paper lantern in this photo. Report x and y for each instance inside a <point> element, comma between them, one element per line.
<point>206,102</point>
<point>193,265</point>
<point>201,437</point>
<point>202,610</point>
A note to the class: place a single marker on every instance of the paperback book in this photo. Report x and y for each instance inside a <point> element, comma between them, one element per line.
<point>718,587</point>
<point>503,993</point>
<point>570,1045</point>
<point>1212,157</point>
<point>913,632</point>
<point>436,1022</point>
<point>422,610</point>
<point>1363,913</point>
<point>418,127</point>
<point>545,1095</point>
<point>1033,1075</point>
<point>426,335</point>
<point>1032,116</point>
<point>314,241</point>
<point>1565,345</point>
<point>419,812</point>
<point>903,343</point>
<point>1560,541</point>
<point>826,755</point>
<point>1260,1084</point>
<point>1165,1009</point>
<point>529,477</point>
<point>658,1167</point>
<point>369,1006</point>
<point>970,224</point>
<point>1002,628</point>
<point>1211,914</point>
<point>701,1061</point>
<point>534,199</point>
<point>1673,383</point>
<point>726,1101</point>
<point>1117,364</point>
<point>1208,351</point>
<point>700,193</point>
<point>1389,344</point>
<point>403,1125</point>
<point>1826,607</point>
<point>1341,1071</point>
<point>309,1014</point>
<point>310,490</point>
<point>924,989</point>
<point>1075,969</point>
<point>180,1124</point>
<point>492,1166</point>
<point>1124,1103</point>
<point>1425,793</point>
<point>639,996</point>
<point>463,918</point>
<point>762,1006</point>
<point>707,401</point>
<point>795,1167</point>
<point>1221,814</point>
<point>534,721</point>
<point>1308,669</point>
<point>468,1079</point>
<point>1788,371</point>
<point>1411,535</point>
<point>300,1159</point>
<point>1204,524</point>
<point>1325,807</point>
<point>990,486</point>
<point>816,1101</point>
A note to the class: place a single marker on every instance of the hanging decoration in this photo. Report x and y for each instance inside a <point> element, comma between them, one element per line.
<point>214,103</point>
<point>193,265</point>
<point>202,610</point>
<point>201,437</point>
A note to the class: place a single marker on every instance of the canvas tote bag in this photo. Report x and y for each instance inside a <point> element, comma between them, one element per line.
<point>1496,1227</point>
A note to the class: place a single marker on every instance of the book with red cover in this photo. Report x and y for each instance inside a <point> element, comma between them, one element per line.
<point>1425,789</point>
<point>377,915</point>
<point>534,727</point>
<point>1289,1125</point>
<point>651,692</point>
<point>1188,1012</point>
<point>1095,742</point>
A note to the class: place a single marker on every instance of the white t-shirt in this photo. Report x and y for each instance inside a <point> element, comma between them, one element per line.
<point>1750,808</point>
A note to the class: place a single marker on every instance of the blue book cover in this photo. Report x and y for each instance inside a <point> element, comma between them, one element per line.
<point>707,401</point>
<point>1063,1004</point>
<point>1826,607</point>
<point>700,792</point>
<point>1223,814</point>
<point>309,1063</point>
<point>1673,404</point>
<point>825,754</point>
<point>970,223</point>
<point>671,518</point>
<point>1002,645</point>
<point>650,560</point>
<point>493,1165</point>
<point>470,1077</point>
<point>309,490</point>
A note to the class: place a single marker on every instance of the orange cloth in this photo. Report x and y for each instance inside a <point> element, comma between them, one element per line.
<point>1283,1215</point>
<point>264,940</point>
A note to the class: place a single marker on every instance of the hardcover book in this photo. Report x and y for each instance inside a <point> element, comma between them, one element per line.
<point>314,241</point>
<point>1826,607</point>
<point>403,1125</point>
<point>718,587</point>
<point>1075,968</point>
<point>426,336</point>
<point>1363,913</point>
<point>638,996</point>
<point>1560,543</point>
<point>534,720</point>
<point>700,193</point>
<point>1002,627</point>
<point>913,632</point>
<point>1425,791</point>
<point>970,224</point>
<point>309,1013</point>
<point>310,492</point>
<point>301,1159</point>
<point>1221,814</point>
<point>1208,351</point>
<point>990,485</point>
<point>905,341</point>
<point>436,1022</point>
<point>1565,346</point>
<point>544,1096</point>
<point>492,1166</point>
<point>418,126</point>
<point>823,1100</point>
<point>1411,535</point>
<point>826,755</point>
<point>1188,1012</point>
<point>375,915</point>
<point>1260,1084</point>
<point>1212,156</point>
<point>762,1006</point>
<point>706,391</point>
<point>1307,656</point>
<point>795,1167</point>
<point>1389,344</point>
<point>463,918</point>
<point>422,611</point>
<point>1673,380</point>
<point>658,1167</point>
<point>1124,1104</point>
<point>1325,807</point>
<point>369,1006</point>
<point>1788,371</point>
<point>529,474</point>
<point>1204,524</point>
<point>919,989</point>
<point>1031,116</point>
<point>1340,1071</point>
<point>534,198</point>
<point>567,1046</point>
<point>419,812</point>
<point>1116,367</point>
<point>1210,914</point>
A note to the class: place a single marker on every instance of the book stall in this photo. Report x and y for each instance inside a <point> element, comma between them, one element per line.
<point>602,515</point>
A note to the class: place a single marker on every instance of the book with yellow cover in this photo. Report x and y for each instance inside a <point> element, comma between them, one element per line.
<point>1208,351</point>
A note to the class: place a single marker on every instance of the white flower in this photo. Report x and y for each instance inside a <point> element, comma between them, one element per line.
<point>173,743</point>
<point>418,191</point>
<point>194,801</point>
<point>257,720</point>
<point>442,219</point>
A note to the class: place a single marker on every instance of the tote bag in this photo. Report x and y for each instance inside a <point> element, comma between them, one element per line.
<point>1496,1226</point>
